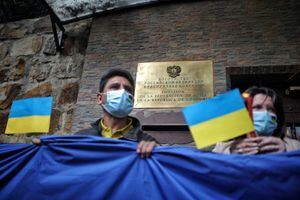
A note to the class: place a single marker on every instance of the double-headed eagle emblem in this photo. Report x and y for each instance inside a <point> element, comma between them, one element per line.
<point>174,71</point>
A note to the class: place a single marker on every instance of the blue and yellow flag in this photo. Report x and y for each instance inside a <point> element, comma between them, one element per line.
<point>93,168</point>
<point>218,119</point>
<point>30,115</point>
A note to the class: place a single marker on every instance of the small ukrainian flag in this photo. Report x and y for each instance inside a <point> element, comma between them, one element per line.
<point>218,119</point>
<point>30,115</point>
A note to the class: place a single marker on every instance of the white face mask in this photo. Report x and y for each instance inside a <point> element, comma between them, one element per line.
<point>265,123</point>
<point>119,103</point>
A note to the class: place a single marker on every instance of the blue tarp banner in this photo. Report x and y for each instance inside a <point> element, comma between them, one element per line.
<point>90,167</point>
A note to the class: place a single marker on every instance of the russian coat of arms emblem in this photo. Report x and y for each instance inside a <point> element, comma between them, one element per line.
<point>174,71</point>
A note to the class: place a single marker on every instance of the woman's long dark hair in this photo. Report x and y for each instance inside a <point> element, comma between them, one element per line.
<point>277,102</point>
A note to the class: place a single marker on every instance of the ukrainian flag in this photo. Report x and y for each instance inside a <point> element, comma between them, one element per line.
<point>30,115</point>
<point>218,119</point>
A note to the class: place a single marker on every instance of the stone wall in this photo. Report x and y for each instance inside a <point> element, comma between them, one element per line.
<point>232,33</point>
<point>30,68</point>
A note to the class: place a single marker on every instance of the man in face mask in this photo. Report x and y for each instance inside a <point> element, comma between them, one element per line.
<point>268,120</point>
<point>115,96</point>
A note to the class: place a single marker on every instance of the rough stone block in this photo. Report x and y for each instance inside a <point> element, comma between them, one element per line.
<point>68,121</point>
<point>69,67</point>
<point>42,90</point>
<point>69,93</point>
<point>18,70</point>
<point>8,94</point>
<point>7,60</point>
<point>55,119</point>
<point>37,44</point>
<point>4,75</point>
<point>12,31</point>
<point>13,73</point>
<point>40,72</point>
<point>27,46</point>
<point>4,47</point>
<point>42,25</point>
<point>50,48</point>
<point>3,120</point>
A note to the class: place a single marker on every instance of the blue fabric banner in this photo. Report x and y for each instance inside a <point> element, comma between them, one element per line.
<point>87,167</point>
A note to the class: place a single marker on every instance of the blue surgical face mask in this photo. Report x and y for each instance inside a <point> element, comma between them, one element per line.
<point>265,122</point>
<point>119,103</point>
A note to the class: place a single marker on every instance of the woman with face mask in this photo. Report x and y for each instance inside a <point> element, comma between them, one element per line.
<point>268,120</point>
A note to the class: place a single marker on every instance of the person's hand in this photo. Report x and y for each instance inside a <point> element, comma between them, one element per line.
<point>36,141</point>
<point>245,146</point>
<point>145,148</point>
<point>271,145</point>
<point>256,145</point>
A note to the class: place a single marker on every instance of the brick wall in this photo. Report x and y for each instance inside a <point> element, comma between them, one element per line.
<point>232,33</point>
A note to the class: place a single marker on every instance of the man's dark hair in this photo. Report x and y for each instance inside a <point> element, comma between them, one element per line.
<point>114,72</point>
<point>277,102</point>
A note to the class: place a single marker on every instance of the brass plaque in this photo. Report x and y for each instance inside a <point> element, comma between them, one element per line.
<point>173,84</point>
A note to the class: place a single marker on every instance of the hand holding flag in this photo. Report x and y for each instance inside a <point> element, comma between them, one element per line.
<point>218,119</point>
